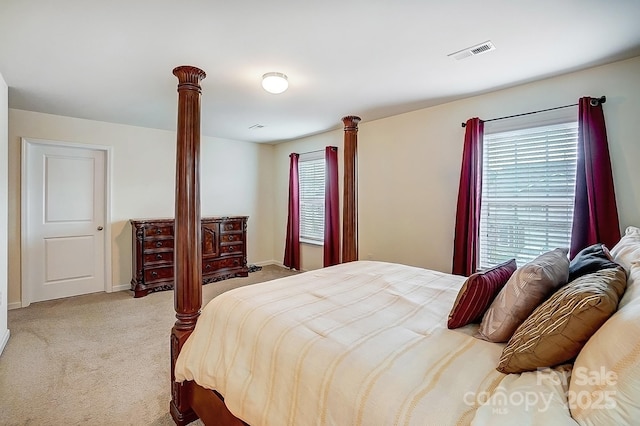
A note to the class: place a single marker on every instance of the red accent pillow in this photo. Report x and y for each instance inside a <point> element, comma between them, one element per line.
<point>477,293</point>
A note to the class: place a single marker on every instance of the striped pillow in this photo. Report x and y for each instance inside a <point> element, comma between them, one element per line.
<point>478,292</point>
<point>557,330</point>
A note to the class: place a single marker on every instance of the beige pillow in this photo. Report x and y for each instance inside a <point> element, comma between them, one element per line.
<point>525,290</point>
<point>557,329</point>
<point>605,383</point>
<point>627,253</point>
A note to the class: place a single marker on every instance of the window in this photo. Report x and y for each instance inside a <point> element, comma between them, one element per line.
<point>311,173</point>
<point>528,190</point>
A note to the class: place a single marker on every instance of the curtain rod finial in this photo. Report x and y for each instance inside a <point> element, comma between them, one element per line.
<point>464,124</point>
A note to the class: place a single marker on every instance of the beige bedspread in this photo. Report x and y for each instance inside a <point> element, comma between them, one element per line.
<point>362,343</point>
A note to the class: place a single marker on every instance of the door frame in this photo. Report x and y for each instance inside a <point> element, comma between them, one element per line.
<point>25,295</point>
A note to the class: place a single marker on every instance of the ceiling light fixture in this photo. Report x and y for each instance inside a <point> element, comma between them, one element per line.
<point>275,82</point>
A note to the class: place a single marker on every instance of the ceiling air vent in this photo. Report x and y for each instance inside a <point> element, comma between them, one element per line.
<point>478,49</point>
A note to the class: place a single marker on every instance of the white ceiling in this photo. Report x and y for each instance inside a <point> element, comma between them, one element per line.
<point>111,60</point>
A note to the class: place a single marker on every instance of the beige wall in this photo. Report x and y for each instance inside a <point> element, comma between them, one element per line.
<point>236,180</point>
<point>409,168</point>
<point>4,102</point>
<point>409,164</point>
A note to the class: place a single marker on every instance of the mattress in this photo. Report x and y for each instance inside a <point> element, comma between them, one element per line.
<point>360,343</point>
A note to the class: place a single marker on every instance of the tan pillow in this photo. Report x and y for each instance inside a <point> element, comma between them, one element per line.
<point>557,329</point>
<point>525,290</point>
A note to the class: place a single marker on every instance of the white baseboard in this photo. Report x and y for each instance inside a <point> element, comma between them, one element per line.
<point>121,287</point>
<point>272,262</point>
<point>3,340</point>
<point>267,262</point>
<point>14,305</point>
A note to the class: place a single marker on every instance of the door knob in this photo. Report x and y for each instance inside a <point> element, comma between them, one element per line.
<point>100,228</point>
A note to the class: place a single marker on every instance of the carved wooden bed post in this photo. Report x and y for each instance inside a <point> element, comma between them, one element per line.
<point>187,250</point>
<point>350,197</point>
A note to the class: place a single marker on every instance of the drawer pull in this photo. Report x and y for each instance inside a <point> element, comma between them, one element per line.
<point>154,274</point>
<point>158,231</point>
<point>236,262</point>
<point>228,227</point>
<point>159,244</point>
<point>231,237</point>
<point>208,266</point>
<point>158,256</point>
<point>231,248</point>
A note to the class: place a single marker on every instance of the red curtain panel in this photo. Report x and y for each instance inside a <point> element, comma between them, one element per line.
<point>595,215</point>
<point>331,208</point>
<point>292,244</point>
<point>467,230</point>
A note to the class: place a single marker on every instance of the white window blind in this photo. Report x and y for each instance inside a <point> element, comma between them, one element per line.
<point>528,189</point>
<point>311,170</point>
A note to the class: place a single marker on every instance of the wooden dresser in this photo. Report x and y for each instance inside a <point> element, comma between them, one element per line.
<point>224,252</point>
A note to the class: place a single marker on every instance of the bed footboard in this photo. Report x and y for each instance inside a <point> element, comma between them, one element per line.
<point>209,406</point>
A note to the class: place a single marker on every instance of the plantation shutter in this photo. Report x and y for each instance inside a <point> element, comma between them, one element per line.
<point>312,176</point>
<point>528,189</point>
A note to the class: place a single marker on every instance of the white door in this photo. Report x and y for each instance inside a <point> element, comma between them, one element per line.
<point>64,197</point>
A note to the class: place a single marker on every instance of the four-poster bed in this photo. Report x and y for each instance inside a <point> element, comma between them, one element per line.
<point>362,342</point>
<point>189,400</point>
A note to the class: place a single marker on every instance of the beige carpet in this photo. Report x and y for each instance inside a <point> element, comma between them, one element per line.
<point>98,359</point>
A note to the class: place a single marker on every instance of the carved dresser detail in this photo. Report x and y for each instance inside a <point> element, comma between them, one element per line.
<point>224,252</point>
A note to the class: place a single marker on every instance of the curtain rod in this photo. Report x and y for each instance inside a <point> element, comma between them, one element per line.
<point>594,102</point>
<point>318,150</point>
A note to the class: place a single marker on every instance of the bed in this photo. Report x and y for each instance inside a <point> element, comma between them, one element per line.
<point>367,343</point>
<point>358,343</point>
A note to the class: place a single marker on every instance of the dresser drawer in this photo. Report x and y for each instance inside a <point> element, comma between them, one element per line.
<point>158,257</point>
<point>231,238</point>
<point>158,231</point>
<point>155,244</point>
<point>230,226</point>
<point>234,248</point>
<point>159,273</point>
<point>211,266</point>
